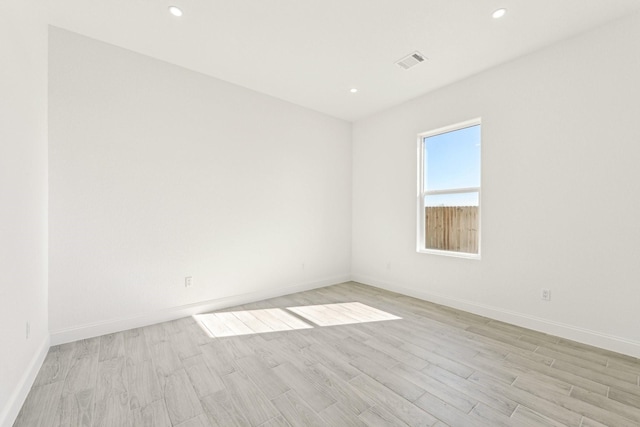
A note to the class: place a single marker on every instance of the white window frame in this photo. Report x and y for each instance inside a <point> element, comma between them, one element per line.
<point>421,226</point>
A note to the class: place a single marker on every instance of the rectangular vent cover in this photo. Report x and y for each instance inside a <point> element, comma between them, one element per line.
<point>411,60</point>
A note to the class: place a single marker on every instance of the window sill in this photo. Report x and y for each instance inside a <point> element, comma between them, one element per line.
<point>450,253</point>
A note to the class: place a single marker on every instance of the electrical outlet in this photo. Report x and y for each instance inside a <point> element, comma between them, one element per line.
<point>28,329</point>
<point>188,281</point>
<point>546,294</point>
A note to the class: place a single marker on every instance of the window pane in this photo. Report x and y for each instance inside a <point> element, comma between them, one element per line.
<point>451,222</point>
<point>452,159</point>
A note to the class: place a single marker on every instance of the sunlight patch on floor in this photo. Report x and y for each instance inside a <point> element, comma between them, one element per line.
<point>246,322</point>
<point>341,314</point>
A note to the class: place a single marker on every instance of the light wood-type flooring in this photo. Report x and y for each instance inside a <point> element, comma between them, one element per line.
<point>360,356</point>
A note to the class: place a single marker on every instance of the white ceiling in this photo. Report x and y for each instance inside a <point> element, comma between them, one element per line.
<point>311,52</point>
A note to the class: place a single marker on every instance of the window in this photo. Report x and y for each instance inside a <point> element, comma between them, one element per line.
<point>449,190</point>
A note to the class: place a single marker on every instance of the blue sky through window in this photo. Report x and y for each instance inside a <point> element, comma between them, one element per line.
<point>452,160</point>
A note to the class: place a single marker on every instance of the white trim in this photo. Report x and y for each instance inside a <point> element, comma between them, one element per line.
<point>453,191</point>
<point>420,223</point>
<point>420,219</point>
<point>451,128</point>
<point>90,330</point>
<point>595,338</point>
<point>16,400</point>
<point>454,254</point>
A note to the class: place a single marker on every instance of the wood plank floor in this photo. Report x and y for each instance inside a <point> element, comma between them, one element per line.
<point>273,364</point>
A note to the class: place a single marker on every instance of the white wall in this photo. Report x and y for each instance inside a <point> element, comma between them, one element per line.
<point>23,201</point>
<point>561,181</point>
<point>157,173</point>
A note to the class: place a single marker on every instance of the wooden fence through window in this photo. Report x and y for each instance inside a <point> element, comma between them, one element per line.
<point>452,228</point>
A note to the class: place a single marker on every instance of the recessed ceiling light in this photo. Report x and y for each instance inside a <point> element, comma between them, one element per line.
<point>175,10</point>
<point>353,90</point>
<point>499,13</point>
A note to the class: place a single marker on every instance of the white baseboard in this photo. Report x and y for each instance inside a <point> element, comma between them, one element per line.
<point>16,400</point>
<point>571,332</point>
<point>91,330</point>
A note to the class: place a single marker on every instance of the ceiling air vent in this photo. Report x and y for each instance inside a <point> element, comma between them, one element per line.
<point>411,60</point>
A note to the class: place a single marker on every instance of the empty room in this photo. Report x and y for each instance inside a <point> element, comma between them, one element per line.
<point>339,213</point>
